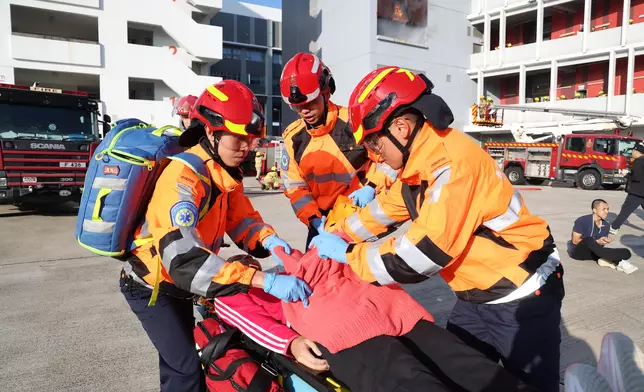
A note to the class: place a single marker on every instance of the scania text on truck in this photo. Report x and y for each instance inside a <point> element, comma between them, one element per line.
<point>47,137</point>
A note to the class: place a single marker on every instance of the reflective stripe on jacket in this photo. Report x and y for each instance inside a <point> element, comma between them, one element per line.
<point>468,224</point>
<point>186,243</point>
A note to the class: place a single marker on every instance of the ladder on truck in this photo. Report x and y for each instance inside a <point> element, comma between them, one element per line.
<point>611,120</point>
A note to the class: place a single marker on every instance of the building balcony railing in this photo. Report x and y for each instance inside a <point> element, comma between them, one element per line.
<point>55,50</point>
<point>635,33</point>
<point>211,4</point>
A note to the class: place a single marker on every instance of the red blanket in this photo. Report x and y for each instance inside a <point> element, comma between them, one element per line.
<point>345,311</point>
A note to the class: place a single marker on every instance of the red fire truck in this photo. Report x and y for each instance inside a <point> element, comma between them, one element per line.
<point>588,160</point>
<point>47,137</point>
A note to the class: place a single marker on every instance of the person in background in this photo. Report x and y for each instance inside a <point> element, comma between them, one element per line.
<point>590,237</point>
<point>271,180</point>
<point>259,163</point>
<point>634,188</point>
<point>182,109</point>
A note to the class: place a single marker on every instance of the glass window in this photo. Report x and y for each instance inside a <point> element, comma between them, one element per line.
<point>277,115</point>
<point>227,24</point>
<point>231,53</point>
<point>404,20</point>
<point>44,122</point>
<point>255,55</point>
<point>256,80</point>
<point>605,146</point>
<point>277,34</point>
<point>577,144</point>
<point>243,29</point>
<point>261,31</point>
<point>277,58</point>
<point>626,147</point>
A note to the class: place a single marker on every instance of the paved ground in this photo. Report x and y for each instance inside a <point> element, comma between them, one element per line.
<point>66,327</point>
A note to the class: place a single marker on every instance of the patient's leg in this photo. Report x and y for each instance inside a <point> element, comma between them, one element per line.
<point>451,359</point>
<point>382,364</point>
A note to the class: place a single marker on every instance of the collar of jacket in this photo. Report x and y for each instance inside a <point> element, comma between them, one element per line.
<point>218,174</point>
<point>331,117</point>
<point>426,141</point>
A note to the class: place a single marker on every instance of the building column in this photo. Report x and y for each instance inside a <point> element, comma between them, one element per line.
<point>268,79</point>
<point>487,27</point>
<point>612,64</point>
<point>539,27</point>
<point>554,70</point>
<point>502,34</point>
<point>587,14</point>
<point>480,85</point>
<point>626,16</point>
<point>629,80</point>
<point>522,84</point>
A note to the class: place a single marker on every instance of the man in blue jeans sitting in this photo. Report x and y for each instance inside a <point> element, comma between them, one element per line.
<point>590,237</point>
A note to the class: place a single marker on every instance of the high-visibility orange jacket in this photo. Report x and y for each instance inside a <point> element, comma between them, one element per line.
<point>185,244</point>
<point>322,163</point>
<point>468,224</point>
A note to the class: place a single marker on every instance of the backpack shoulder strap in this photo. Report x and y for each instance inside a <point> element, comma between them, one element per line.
<point>198,166</point>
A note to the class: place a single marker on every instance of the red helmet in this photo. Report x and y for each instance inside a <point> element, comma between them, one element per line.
<point>183,105</point>
<point>304,78</point>
<point>227,106</point>
<point>379,94</point>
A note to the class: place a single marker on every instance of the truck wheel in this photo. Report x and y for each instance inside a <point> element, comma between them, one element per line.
<point>589,180</point>
<point>535,181</point>
<point>515,175</point>
<point>611,187</point>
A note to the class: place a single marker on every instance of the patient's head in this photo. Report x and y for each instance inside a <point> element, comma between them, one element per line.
<point>246,260</point>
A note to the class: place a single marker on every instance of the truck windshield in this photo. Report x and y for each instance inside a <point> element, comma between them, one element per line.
<point>626,147</point>
<point>42,122</point>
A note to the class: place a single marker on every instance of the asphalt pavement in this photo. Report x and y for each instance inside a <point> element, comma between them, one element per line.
<point>66,327</point>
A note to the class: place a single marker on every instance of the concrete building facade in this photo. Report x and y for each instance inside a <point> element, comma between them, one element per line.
<point>136,57</point>
<point>355,37</point>
<point>565,54</point>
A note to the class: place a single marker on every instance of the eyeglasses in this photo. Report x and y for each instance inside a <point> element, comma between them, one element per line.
<point>374,144</point>
<point>239,143</point>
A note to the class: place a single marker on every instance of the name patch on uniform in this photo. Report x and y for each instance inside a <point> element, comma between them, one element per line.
<point>184,214</point>
<point>284,160</point>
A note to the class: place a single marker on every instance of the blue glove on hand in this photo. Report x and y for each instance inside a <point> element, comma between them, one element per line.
<point>318,224</point>
<point>362,196</point>
<point>273,241</point>
<point>287,288</point>
<point>330,246</point>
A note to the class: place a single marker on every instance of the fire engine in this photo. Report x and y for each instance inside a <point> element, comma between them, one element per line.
<point>589,160</point>
<point>47,137</point>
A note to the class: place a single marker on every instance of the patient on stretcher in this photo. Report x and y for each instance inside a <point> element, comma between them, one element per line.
<point>372,338</point>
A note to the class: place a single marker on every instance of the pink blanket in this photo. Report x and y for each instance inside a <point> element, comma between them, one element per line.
<point>345,311</point>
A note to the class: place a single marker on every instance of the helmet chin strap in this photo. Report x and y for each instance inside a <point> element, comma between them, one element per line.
<point>405,149</point>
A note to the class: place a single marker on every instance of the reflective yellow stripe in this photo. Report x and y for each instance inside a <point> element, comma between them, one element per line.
<point>358,134</point>
<point>175,131</point>
<point>217,93</point>
<point>239,129</point>
<point>142,241</point>
<point>157,283</point>
<point>100,252</point>
<point>100,199</point>
<point>409,73</point>
<point>374,83</point>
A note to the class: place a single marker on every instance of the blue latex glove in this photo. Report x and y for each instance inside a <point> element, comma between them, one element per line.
<point>330,246</point>
<point>287,288</point>
<point>362,196</point>
<point>273,241</point>
<point>318,224</point>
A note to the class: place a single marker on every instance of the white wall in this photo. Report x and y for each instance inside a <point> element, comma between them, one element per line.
<point>112,61</point>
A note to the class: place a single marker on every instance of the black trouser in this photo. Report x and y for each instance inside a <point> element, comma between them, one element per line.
<point>312,232</point>
<point>589,249</point>
<point>630,204</point>
<point>428,358</point>
<point>169,325</point>
<point>524,335</point>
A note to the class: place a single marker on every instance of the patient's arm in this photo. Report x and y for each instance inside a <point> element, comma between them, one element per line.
<point>256,322</point>
<point>302,349</point>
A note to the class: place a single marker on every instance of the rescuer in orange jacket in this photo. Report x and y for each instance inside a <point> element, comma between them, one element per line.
<point>197,199</point>
<point>468,224</point>
<point>321,159</point>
